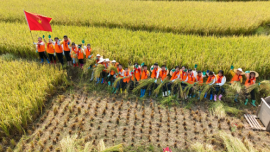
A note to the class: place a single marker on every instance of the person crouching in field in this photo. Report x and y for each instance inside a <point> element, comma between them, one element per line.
<point>144,75</point>
<point>127,76</point>
<point>154,75</point>
<point>251,79</point>
<point>97,60</point>
<point>67,49</point>
<point>175,75</point>
<point>51,51</point>
<point>74,52</point>
<point>190,79</point>
<point>220,81</point>
<point>59,50</point>
<point>80,55</point>
<point>162,75</point>
<point>120,74</point>
<point>210,81</point>
<point>112,73</point>
<point>199,81</point>
<point>40,48</point>
<point>237,77</point>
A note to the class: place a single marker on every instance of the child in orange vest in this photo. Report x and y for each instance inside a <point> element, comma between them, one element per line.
<point>237,76</point>
<point>127,76</point>
<point>219,82</point>
<point>189,79</point>
<point>111,76</point>
<point>154,75</point>
<point>74,54</point>
<point>251,79</point>
<point>199,80</point>
<point>210,80</point>
<point>175,75</point>
<point>59,50</point>
<point>51,51</point>
<point>162,76</point>
<point>40,49</point>
<point>67,49</point>
<point>80,55</point>
<point>144,75</point>
<point>119,74</point>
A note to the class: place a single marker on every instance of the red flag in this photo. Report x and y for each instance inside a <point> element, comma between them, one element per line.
<point>38,22</point>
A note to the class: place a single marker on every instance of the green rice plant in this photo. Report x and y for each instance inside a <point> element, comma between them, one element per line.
<point>165,81</point>
<point>88,63</point>
<point>144,83</point>
<point>111,68</point>
<point>98,70</point>
<point>177,17</point>
<point>217,109</point>
<point>233,110</point>
<point>236,85</point>
<point>235,144</point>
<point>199,147</point>
<point>25,86</point>
<point>177,83</point>
<point>206,89</point>
<point>117,81</point>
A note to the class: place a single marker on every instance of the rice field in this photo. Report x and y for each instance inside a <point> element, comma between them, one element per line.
<point>217,18</point>
<point>25,87</point>
<point>125,46</point>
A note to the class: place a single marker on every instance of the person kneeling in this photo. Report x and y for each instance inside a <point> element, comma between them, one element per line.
<point>220,81</point>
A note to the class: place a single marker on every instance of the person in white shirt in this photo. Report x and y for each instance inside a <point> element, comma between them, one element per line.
<point>219,82</point>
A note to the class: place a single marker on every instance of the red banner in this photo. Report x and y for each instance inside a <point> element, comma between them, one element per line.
<point>38,22</point>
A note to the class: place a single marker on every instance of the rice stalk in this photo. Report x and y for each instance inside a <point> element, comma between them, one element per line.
<point>217,109</point>
<point>199,147</point>
<point>143,83</point>
<point>111,68</point>
<point>98,70</point>
<point>165,81</point>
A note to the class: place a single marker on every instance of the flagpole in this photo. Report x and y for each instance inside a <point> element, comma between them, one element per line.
<point>29,29</point>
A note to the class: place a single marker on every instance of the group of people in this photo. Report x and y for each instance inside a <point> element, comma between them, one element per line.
<point>77,53</point>
<point>188,76</point>
<point>73,53</point>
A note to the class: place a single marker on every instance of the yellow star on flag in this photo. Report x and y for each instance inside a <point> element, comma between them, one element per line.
<point>39,21</point>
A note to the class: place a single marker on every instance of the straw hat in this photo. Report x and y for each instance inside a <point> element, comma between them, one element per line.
<point>256,73</point>
<point>107,60</point>
<point>98,55</point>
<point>113,61</point>
<point>239,69</point>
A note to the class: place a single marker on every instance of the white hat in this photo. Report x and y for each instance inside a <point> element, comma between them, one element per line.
<point>100,60</point>
<point>113,61</point>
<point>239,69</point>
<point>107,59</point>
<point>98,55</point>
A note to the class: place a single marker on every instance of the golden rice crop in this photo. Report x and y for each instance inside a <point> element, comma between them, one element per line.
<point>180,17</point>
<point>125,46</point>
<point>24,87</point>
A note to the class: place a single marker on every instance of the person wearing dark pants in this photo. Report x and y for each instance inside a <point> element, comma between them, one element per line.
<point>40,48</point>
<point>220,81</point>
<point>251,79</point>
<point>119,74</point>
<point>59,50</point>
<point>67,49</point>
<point>144,75</point>
<point>155,75</point>
<point>51,50</point>
<point>168,86</point>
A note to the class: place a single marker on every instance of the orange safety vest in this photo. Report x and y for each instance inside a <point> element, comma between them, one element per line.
<point>175,75</point>
<point>105,65</point>
<point>58,48</point>
<point>200,79</point>
<point>137,74</point>
<point>75,50</point>
<point>41,48</point>
<point>88,52</point>
<point>154,73</point>
<point>252,81</point>
<point>120,71</point>
<point>80,54</point>
<point>210,79</point>
<point>50,49</point>
<point>112,72</point>
<point>219,79</point>
<point>163,74</point>
<point>236,78</point>
<point>191,79</point>
<point>144,75</point>
<point>126,74</point>
<point>65,44</point>
<point>183,75</point>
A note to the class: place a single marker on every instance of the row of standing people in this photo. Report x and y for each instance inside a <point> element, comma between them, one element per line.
<point>186,75</point>
<point>72,52</point>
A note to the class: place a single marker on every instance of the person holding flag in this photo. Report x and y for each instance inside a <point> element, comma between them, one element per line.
<point>67,49</point>
<point>40,49</point>
<point>50,50</point>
